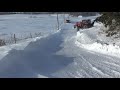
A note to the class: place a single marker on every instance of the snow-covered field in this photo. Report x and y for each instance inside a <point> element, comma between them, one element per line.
<point>63,54</point>
<point>25,25</point>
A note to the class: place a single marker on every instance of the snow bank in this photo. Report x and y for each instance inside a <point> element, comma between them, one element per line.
<point>41,76</point>
<point>79,16</point>
<point>113,50</point>
<point>4,50</point>
<point>88,36</point>
<point>91,40</point>
<point>84,38</point>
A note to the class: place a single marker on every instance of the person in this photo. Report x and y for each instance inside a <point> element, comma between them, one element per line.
<point>77,26</point>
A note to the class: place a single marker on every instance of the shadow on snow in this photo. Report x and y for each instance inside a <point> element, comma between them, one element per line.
<point>37,58</point>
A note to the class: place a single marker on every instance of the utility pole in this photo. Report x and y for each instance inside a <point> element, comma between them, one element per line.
<point>64,17</point>
<point>57,22</point>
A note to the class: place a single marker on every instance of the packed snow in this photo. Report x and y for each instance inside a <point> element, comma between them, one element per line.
<point>63,53</point>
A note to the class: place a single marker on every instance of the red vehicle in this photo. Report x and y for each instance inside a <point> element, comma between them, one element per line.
<point>84,24</point>
<point>78,24</point>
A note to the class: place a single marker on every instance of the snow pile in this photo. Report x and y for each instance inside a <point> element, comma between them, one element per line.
<point>113,50</point>
<point>88,36</point>
<point>41,76</point>
<point>4,50</point>
<point>91,39</point>
<point>80,16</point>
<point>84,38</point>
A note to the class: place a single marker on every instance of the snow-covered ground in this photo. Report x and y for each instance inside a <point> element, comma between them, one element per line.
<point>27,25</point>
<point>94,39</point>
<point>64,54</point>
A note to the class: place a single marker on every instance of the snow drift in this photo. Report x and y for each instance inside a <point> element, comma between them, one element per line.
<point>92,40</point>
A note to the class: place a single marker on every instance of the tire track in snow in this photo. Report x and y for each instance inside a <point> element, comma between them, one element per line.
<point>108,58</point>
<point>94,69</point>
<point>114,66</point>
<point>105,67</point>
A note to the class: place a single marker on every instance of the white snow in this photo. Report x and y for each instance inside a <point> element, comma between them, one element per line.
<point>58,53</point>
<point>23,25</point>
<point>91,40</point>
<point>4,50</point>
<point>80,16</point>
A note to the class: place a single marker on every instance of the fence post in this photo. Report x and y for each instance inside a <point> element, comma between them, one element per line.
<point>30,35</point>
<point>36,35</point>
<point>15,38</point>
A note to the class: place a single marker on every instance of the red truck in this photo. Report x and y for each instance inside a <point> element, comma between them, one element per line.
<point>84,24</point>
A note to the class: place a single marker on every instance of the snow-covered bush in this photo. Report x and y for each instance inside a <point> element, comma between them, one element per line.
<point>111,20</point>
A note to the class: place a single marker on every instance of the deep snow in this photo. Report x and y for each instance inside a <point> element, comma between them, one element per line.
<point>95,40</point>
<point>37,58</point>
<point>22,25</point>
<point>64,53</point>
